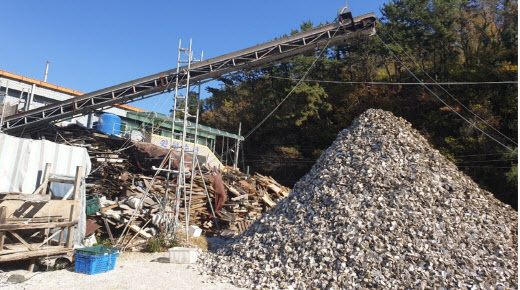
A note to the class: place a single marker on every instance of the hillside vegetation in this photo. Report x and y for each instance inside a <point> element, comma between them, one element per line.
<point>443,41</point>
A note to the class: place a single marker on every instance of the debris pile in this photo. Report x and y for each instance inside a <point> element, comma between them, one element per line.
<point>111,165</point>
<point>123,170</point>
<point>253,196</point>
<point>379,209</point>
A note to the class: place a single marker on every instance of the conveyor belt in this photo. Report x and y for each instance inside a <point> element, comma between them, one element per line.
<point>249,58</point>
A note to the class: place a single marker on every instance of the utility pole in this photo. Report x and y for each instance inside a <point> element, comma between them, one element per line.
<point>237,146</point>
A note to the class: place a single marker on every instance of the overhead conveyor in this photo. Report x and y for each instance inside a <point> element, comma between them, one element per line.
<point>250,58</point>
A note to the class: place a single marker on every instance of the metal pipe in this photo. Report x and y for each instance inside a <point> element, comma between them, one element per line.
<point>46,72</point>
<point>184,126</point>
<point>194,158</point>
<point>3,104</point>
<point>235,164</point>
<point>30,98</point>
<point>222,151</point>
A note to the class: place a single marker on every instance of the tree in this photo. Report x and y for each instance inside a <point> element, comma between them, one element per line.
<point>447,40</point>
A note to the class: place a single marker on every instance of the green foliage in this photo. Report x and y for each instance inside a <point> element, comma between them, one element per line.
<point>103,242</point>
<point>512,175</point>
<point>447,40</point>
<point>306,25</point>
<point>193,103</point>
<point>289,152</point>
<point>160,244</point>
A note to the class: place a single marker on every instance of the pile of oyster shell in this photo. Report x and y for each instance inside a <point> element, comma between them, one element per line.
<point>380,208</point>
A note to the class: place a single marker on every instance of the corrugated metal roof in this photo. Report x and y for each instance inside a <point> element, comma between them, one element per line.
<point>202,128</point>
<point>130,108</point>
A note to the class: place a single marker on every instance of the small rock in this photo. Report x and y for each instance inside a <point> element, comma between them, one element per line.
<point>16,278</point>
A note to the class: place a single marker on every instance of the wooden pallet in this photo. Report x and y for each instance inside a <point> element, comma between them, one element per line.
<point>34,225</point>
<point>243,225</point>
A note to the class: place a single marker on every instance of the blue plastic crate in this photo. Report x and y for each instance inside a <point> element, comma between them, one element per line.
<point>95,264</point>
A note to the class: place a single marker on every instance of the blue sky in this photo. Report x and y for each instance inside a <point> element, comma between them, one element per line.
<point>95,44</point>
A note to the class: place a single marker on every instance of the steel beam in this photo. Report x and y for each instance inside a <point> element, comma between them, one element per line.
<point>203,71</point>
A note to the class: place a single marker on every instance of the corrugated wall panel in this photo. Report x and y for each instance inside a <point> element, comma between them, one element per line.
<point>22,162</point>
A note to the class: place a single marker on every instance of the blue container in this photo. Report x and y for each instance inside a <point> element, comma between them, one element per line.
<point>95,264</point>
<point>109,124</point>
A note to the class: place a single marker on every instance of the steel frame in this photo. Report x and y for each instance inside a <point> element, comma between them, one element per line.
<point>146,87</point>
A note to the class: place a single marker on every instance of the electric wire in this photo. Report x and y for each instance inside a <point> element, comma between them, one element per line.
<point>441,100</point>
<point>473,155</point>
<point>483,161</point>
<point>448,93</point>
<point>285,98</point>
<point>393,83</point>
<point>494,167</point>
<point>293,88</point>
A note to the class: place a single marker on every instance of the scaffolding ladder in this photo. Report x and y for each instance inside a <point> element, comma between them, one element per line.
<point>183,101</point>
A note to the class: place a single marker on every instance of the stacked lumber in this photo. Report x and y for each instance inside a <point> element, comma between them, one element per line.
<point>122,174</point>
<point>248,198</point>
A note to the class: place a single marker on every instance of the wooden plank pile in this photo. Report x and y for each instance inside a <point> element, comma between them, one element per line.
<point>248,198</point>
<point>122,172</point>
<point>111,163</point>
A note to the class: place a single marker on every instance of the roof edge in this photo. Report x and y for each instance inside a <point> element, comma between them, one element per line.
<point>59,88</point>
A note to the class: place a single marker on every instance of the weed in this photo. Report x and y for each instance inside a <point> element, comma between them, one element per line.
<point>160,243</point>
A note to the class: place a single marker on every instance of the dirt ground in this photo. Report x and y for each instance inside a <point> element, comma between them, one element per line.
<point>132,271</point>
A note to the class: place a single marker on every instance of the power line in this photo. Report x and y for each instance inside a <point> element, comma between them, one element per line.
<point>441,100</point>
<point>494,167</point>
<point>473,155</point>
<point>394,83</point>
<point>484,161</point>
<point>294,87</point>
<point>449,94</point>
<point>291,91</point>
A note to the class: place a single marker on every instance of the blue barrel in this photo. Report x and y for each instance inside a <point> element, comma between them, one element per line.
<point>109,123</point>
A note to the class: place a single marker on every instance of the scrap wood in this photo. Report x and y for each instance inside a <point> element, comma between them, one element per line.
<point>139,231</point>
<point>268,200</point>
<point>109,207</point>
<point>130,175</point>
<point>234,191</point>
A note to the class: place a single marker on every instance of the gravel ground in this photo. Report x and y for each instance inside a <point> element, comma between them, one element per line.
<point>132,271</point>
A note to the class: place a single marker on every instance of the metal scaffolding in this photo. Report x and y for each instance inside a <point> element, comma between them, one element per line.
<point>181,106</point>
